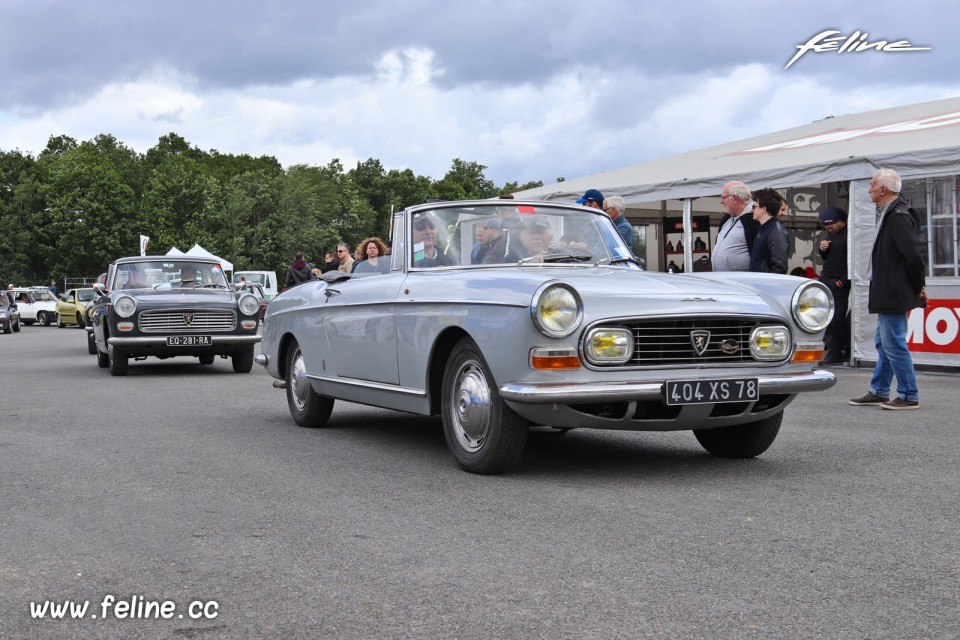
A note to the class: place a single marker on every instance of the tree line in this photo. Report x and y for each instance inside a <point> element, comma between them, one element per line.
<point>77,206</point>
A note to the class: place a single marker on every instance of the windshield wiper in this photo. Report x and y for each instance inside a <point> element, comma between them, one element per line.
<point>616,260</point>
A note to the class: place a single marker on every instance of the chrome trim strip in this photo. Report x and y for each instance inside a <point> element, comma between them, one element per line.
<point>162,341</point>
<point>624,391</point>
<point>380,386</point>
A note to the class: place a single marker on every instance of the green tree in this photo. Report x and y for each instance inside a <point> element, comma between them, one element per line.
<point>465,181</point>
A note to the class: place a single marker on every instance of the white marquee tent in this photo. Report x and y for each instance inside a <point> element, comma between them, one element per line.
<point>919,141</point>
<point>197,250</point>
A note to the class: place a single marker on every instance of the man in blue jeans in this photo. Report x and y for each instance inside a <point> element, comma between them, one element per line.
<point>896,287</point>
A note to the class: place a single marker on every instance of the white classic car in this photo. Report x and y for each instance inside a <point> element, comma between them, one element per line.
<point>36,304</point>
<point>500,315</point>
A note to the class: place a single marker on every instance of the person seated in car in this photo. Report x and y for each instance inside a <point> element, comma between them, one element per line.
<point>188,276</point>
<point>425,251</point>
<point>536,237</point>
<point>496,242</point>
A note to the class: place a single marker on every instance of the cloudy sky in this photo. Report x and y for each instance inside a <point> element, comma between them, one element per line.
<point>533,89</point>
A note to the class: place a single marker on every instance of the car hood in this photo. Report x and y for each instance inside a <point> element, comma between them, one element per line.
<point>625,292</point>
<point>176,297</point>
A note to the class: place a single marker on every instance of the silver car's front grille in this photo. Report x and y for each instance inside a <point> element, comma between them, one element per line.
<point>667,341</point>
<point>186,321</point>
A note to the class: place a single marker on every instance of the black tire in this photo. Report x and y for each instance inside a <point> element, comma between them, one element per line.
<point>16,327</point>
<point>307,408</point>
<point>103,360</point>
<point>482,432</point>
<point>743,441</point>
<point>243,360</point>
<point>42,318</point>
<point>207,359</point>
<point>80,323</point>
<point>118,361</point>
<point>7,328</point>
<point>91,343</point>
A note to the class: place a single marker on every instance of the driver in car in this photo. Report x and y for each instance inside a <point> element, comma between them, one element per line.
<point>188,276</point>
<point>536,237</point>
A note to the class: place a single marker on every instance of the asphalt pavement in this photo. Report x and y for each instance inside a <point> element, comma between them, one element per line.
<point>181,501</point>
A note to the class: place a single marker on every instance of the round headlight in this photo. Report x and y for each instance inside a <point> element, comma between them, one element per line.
<point>812,307</point>
<point>249,305</point>
<point>125,306</point>
<point>557,311</point>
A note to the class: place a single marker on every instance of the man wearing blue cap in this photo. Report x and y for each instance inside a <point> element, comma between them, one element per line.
<point>833,250</point>
<point>592,198</point>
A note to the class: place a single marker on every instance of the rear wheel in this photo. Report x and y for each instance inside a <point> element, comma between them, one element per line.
<point>118,361</point>
<point>743,441</point>
<point>43,318</point>
<point>307,408</point>
<point>482,432</point>
<point>243,360</point>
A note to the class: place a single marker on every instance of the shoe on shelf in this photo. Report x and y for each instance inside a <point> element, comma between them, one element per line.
<point>899,404</point>
<point>868,400</point>
<point>832,358</point>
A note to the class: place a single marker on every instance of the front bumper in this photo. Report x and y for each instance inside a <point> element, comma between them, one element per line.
<point>161,341</point>
<point>560,393</point>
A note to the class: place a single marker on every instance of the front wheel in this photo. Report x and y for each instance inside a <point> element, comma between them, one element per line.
<point>16,327</point>
<point>80,323</point>
<point>242,360</point>
<point>482,432</point>
<point>742,441</point>
<point>307,407</point>
<point>60,322</point>
<point>118,361</point>
<point>207,359</point>
<point>43,318</point>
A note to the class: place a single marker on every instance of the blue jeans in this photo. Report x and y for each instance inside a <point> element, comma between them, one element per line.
<point>893,358</point>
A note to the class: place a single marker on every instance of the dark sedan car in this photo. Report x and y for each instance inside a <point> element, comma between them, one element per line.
<point>167,306</point>
<point>9,315</point>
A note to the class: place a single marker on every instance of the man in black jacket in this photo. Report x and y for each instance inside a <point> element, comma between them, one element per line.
<point>298,272</point>
<point>833,250</point>
<point>896,287</point>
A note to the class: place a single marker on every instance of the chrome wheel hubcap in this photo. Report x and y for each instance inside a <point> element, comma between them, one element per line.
<point>472,406</point>
<point>299,385</point>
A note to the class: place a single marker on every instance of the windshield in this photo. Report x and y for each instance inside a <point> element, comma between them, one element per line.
<point>42,296</point>
<point>85,295</point>
<point>173,274</point>
<point>259,278</point>
<point>493,234</point>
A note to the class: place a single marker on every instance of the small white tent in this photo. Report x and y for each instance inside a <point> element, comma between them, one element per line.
<point>197,250</point>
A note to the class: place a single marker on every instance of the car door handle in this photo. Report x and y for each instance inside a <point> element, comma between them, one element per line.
<point>331,292</point>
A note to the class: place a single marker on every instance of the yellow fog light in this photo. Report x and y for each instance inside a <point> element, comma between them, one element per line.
<point>609,345</point>
<point>770,343</point>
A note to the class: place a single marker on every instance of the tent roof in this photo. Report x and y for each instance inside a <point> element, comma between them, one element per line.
<point>197,250</point>
<point>915,139</point>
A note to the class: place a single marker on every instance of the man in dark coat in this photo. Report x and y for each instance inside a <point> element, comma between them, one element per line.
<point>298,272</point>
<point>771,246</point>
<point>833,250</point>
<point>896,286</point>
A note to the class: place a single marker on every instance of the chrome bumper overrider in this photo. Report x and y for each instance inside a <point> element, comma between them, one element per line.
<point>788,383</point>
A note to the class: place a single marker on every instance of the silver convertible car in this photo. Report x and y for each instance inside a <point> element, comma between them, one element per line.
<point>501,315</point>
